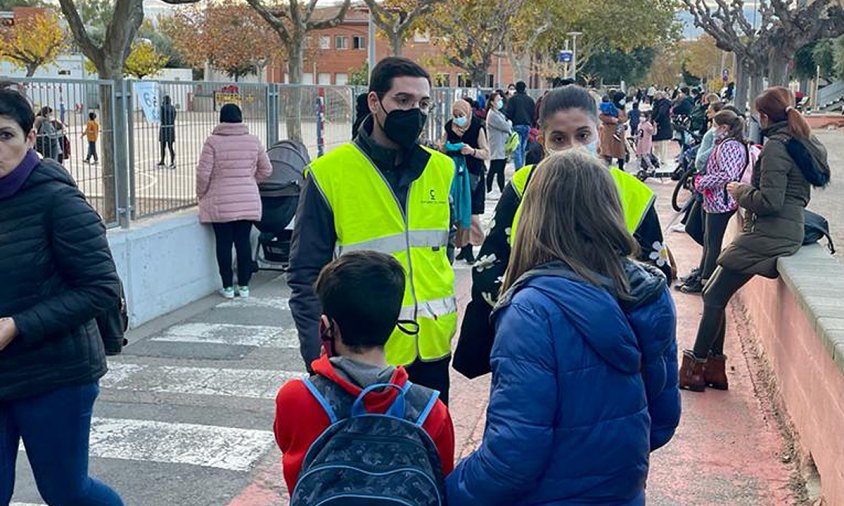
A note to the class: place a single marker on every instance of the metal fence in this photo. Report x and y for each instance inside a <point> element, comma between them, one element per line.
<point>134,174</point>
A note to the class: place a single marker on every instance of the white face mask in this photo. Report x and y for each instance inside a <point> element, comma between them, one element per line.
<point>622,102</point>
<point>461,121</point>
<point>499,105</point>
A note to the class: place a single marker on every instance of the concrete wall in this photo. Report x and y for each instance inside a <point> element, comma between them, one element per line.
<point>165,263</point>
<point>799,323</point>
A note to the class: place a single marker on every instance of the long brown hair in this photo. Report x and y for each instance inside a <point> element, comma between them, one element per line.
<point>572,213</point>
<point>733,121</point>
<point>777,103</point>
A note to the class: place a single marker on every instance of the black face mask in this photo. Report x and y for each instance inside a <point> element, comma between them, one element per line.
<point>404,126</point>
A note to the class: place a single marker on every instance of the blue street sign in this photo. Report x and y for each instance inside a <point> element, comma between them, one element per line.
<point>566,56</point>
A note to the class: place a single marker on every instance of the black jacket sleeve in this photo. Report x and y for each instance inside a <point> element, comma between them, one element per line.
<point>312,247</point>
<point>652,247</point>
<point>83,260</point>
<point>471,358</point>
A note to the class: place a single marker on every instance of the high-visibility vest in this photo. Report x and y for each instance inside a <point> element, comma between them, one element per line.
<point>368,216</point>
<point>636,197</point>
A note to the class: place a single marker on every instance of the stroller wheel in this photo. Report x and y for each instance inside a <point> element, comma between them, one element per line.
<point>642,175</point>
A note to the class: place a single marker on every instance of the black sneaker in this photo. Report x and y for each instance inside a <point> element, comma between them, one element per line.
<point>693,275</point>
<point>693,286</point>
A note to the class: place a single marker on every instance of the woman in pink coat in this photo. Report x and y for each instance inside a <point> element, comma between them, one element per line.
<point>232,164</point>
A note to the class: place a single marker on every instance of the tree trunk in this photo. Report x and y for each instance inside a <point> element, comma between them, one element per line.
<point>519,63</point>
<point>757,84</point>
<point>108,209</point>
<point>293,111</point>
<point>30,69</point>
<point>478,75</point>
<point>741,84</point>
<point>396,43</point>
<point>778,68</point>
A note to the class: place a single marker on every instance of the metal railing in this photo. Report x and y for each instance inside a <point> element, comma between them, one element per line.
<point>134,173</point>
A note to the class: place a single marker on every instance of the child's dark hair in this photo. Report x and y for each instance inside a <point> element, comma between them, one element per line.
<point>92,116</point>
<point>391,67</point>
<point>362,292</point>
<point>567,97</point>
<point>15,106</point>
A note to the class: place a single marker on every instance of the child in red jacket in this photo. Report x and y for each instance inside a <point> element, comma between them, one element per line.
<point>361,296</point>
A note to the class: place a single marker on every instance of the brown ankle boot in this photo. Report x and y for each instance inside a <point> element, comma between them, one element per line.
<point>691,372</point>
<point>715,372</point>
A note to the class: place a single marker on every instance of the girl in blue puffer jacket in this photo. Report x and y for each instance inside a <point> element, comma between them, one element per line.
<point>584,381</point>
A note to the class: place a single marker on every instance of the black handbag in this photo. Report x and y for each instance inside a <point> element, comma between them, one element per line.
<point>816,228</point>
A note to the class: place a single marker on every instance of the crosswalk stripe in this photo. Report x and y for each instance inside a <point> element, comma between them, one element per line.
<point>178,443</point>
<point>226,333</point>
<point>249,383</point>
<point>24,504</point>
<point>281,303</point>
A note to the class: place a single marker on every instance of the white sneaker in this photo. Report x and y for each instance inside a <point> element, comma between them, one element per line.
<point>679,228</point>
<point>243,292</point>
<point>227,293</point>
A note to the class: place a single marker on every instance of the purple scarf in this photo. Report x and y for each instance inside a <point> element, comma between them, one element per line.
<point>13,181</point>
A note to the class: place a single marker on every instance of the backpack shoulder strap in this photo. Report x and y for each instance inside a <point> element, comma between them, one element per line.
<point>420,402</point>
<point>327,405</point>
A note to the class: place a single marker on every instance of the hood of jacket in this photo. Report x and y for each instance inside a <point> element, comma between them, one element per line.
<point>585,304</point>
<point>48,171</point>
<point>231,129</point>
<point>353,377</point>
<point>812,158</point>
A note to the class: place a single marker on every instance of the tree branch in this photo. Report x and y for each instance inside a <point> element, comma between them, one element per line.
<point>327,23</point>
<point>80,34</point>
<point>276,24</point>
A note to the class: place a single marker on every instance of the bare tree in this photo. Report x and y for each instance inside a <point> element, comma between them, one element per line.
<point>795,24</point>
<point>470,32</point>
<point>397,19</point>
<point>292,21</point>
<point>109,58</point>
<point>733,32</point>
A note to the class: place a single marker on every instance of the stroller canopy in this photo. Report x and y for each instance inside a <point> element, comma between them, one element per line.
<point>289,159</point>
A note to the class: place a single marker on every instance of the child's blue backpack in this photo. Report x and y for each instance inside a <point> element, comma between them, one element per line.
<point>371,458</point>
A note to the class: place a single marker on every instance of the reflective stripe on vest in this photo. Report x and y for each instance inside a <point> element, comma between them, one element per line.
<point>368,216</point>
<point>393,244</point>
<point>636,197</point>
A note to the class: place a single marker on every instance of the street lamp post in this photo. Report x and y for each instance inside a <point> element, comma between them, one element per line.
<point>574,36</point>
<point>371,45</point>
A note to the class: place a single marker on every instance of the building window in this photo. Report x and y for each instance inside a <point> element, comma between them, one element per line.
<point>341,78</point>
<point>324,78</point>
<point>308,78</point>
<point>341,42</point>
<point>442,81</point>
<point>464,81</point>
<point>324,42</point>
<point>359,42</point>
<point>421,37</point>
<point>490,80</point>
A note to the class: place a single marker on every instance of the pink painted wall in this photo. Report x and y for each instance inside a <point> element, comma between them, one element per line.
<point>810,383</point>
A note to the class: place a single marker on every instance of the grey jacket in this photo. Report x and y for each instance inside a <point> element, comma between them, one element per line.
<point>499,129</point>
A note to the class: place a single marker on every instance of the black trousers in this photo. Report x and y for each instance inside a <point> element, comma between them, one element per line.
<point>713,324</point>
<point>496,168</point>
<point>715,225</point>
<point>433,375</point>
<point>621,161</point>
<point>165,145</point>
<point>234,233</point>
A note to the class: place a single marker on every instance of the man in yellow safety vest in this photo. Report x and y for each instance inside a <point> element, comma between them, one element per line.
<point>383,192</point>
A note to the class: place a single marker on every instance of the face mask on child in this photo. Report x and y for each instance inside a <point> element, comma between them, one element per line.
<point>461,121</point>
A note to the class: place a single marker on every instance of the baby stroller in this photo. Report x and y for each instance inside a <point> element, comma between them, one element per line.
<point>280,197</point>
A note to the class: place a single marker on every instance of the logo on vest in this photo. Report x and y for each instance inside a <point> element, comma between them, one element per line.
<point>433,198</point>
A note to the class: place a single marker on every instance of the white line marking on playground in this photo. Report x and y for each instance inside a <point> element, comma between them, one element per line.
<point>225,333</point>
<point>248,383</point>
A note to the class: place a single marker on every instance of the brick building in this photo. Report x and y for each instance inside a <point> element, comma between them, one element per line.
<point>334,54</point>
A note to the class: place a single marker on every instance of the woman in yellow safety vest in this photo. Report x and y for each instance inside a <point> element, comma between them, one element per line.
<point>568,119</point>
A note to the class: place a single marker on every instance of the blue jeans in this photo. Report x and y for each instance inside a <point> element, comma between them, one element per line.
<point>521,150</point>
<point>55,429</point>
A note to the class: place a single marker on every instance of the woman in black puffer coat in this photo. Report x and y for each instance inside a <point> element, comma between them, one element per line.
<point>57,277</point>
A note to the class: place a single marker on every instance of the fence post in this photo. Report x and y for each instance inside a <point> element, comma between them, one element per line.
<point>122,165</point>
<point>272,114</point>
<point>130,136</point>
